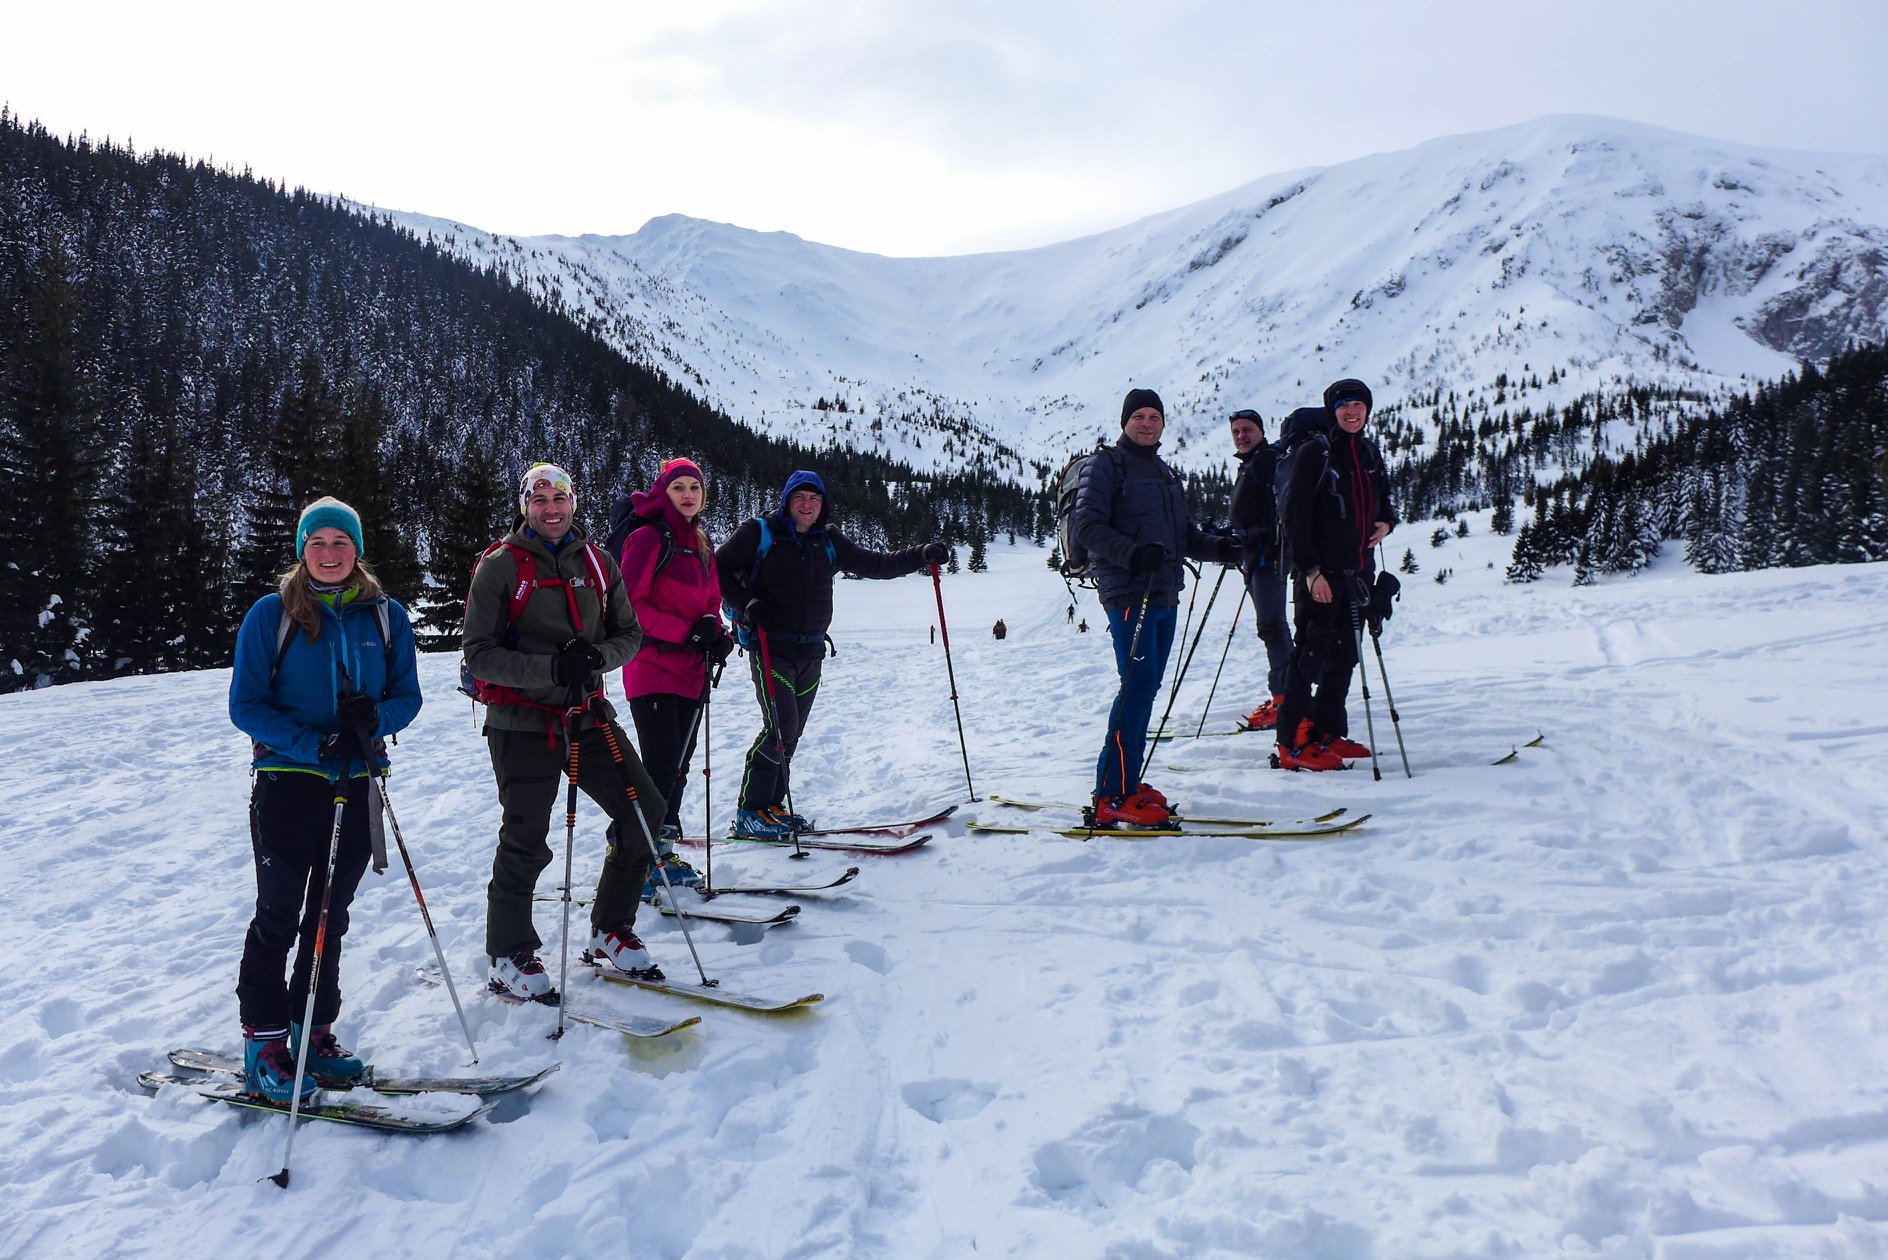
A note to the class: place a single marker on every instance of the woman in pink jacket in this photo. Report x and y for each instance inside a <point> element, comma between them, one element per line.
<point>668,567</point>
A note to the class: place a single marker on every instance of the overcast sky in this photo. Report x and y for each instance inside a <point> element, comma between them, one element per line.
<point>902,127</point>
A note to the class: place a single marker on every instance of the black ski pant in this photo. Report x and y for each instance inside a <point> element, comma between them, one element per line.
<point>795,687</point>
<point>1267,588</point>
<point>1323,656</point>
<point>291,822</point>
<point>531,773</point>
<point>665,734</point>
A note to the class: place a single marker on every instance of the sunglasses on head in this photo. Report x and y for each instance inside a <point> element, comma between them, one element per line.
<point>1245,413</point>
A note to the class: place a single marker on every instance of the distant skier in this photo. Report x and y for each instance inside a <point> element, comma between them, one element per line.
<point>1083,628</point>
<point>1071,614</point>
<point>668,566</point>
<point>1254,520</point>
<point>999,629</point>
<point>1131,515</point>
<point>546,615</point>
<point>777,578</point>
<point>324,669</point>
<point>1337,508</point>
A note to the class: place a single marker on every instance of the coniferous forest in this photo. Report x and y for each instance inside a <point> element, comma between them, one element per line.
<point>189,355</point>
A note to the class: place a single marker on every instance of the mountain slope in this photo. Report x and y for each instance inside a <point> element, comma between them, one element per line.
<point>1611,250</point>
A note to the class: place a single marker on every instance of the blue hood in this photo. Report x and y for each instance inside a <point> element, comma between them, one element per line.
<point>804,480</point>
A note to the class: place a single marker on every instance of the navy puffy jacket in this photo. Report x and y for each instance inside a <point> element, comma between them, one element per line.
<point>1127,498</point>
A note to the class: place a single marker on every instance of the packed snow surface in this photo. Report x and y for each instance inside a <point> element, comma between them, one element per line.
<point>1622,996</point>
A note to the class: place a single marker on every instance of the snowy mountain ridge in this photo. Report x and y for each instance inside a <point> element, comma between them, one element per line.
<point>1615,251</point>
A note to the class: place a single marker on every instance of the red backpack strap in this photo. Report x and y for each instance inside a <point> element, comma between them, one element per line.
<point>527,581</point>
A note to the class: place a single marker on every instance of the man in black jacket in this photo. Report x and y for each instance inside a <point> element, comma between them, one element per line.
<point>776,576</point>
<point>1337,508</point>
<point>1254,520</point>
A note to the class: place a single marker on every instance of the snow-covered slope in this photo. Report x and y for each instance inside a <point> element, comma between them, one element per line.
<point>1620,997</point>
<point>1610,250</point>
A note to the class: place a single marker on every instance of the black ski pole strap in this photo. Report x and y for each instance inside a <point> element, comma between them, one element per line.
<point>376,825</point>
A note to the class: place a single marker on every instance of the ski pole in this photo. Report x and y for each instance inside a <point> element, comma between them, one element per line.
<point>413,878</point>
<point>694,727</point>
<point>314,975</point>
<point>1192,598</point>
<point>937,586</point>
<point>780,739</point>
<point>707,782</point>
<point>1376,641</point>
<point>1363,676</point>
<point>1180,677</point>
<point>1214,689</point>
<point>570,844</point>
<point>655,853</point>
<point>1134,644</point>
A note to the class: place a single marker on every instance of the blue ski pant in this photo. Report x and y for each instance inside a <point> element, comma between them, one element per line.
<point>1118,769</point>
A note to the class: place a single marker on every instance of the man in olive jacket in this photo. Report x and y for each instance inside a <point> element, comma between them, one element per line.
<point>547,616</point>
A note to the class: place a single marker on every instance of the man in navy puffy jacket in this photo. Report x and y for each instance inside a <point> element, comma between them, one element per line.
<point>1131,516</point>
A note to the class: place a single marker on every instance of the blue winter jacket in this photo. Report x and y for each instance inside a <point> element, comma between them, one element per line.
<point>288,718</point>
<point>1128,497</point>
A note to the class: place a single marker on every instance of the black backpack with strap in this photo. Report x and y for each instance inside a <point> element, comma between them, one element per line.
<point>624,521</point>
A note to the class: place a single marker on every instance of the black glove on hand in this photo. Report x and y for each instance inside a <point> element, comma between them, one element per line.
<point>574,663</point>
<point>935,553</point>
<point>703,633</point>
<point>1230,552</point>
<point>721,649</point>
<point>755,611</point>
<point>357,713</point>
<point>1146,558</point>
<point>340,746</point>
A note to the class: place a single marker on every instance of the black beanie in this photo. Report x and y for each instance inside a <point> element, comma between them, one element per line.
<point>1348,388</point>
<point>1138,398</point>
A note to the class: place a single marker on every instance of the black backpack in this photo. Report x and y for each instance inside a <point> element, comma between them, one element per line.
<point>1075,557</point>
<point>624,522</point>
<point>1306,434</point>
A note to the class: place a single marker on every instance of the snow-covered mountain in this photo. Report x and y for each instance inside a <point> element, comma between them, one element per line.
<point>1610,250</point>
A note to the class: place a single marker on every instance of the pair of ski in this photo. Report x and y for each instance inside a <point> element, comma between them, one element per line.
<point>873,838</point>
<point>706,909</point>
<point>436,1104</point>
<point>1514,753</point>
<point>1330,823</point>
<point>647,1025</point>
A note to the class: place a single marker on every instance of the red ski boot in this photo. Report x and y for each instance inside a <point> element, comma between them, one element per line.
<point>1265,717</point>
<point>1129,813</point>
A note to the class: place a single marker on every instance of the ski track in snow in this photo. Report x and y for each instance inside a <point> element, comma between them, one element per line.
<point>1620,997</point>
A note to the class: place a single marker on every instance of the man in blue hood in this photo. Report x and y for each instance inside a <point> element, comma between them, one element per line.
<point>777,580</point>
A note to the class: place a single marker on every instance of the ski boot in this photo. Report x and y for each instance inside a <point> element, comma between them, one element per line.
<point>1344,748</point>
<point>1265,717</point>
<point>1305,755</point>
<point>623,949</point>
<point>792,822</point>
<point>521,976</point>
<point>759,824</point>
<point>328,1061</point>
<point>1154,794</point>
<point>1127,813</point>
<point>269,1067</point>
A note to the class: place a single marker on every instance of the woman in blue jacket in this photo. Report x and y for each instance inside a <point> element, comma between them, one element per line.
<point>325,669</point>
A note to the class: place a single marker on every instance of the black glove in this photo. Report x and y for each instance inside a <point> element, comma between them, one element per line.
<point>1229,551</point>
<point>1380,599</point>
<point>702,634</point>
<point>574,663</point>
<point>340,746</point>
<point>721,649</point>
<point>358,715</point>
<point>935,553</point>
<point>755,611</point>
<point>1146,558</point>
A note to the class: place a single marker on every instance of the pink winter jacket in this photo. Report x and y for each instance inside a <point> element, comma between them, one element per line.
<point>667,605</point>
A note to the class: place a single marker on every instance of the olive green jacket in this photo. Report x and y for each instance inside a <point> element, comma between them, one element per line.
<point>519,655</point>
